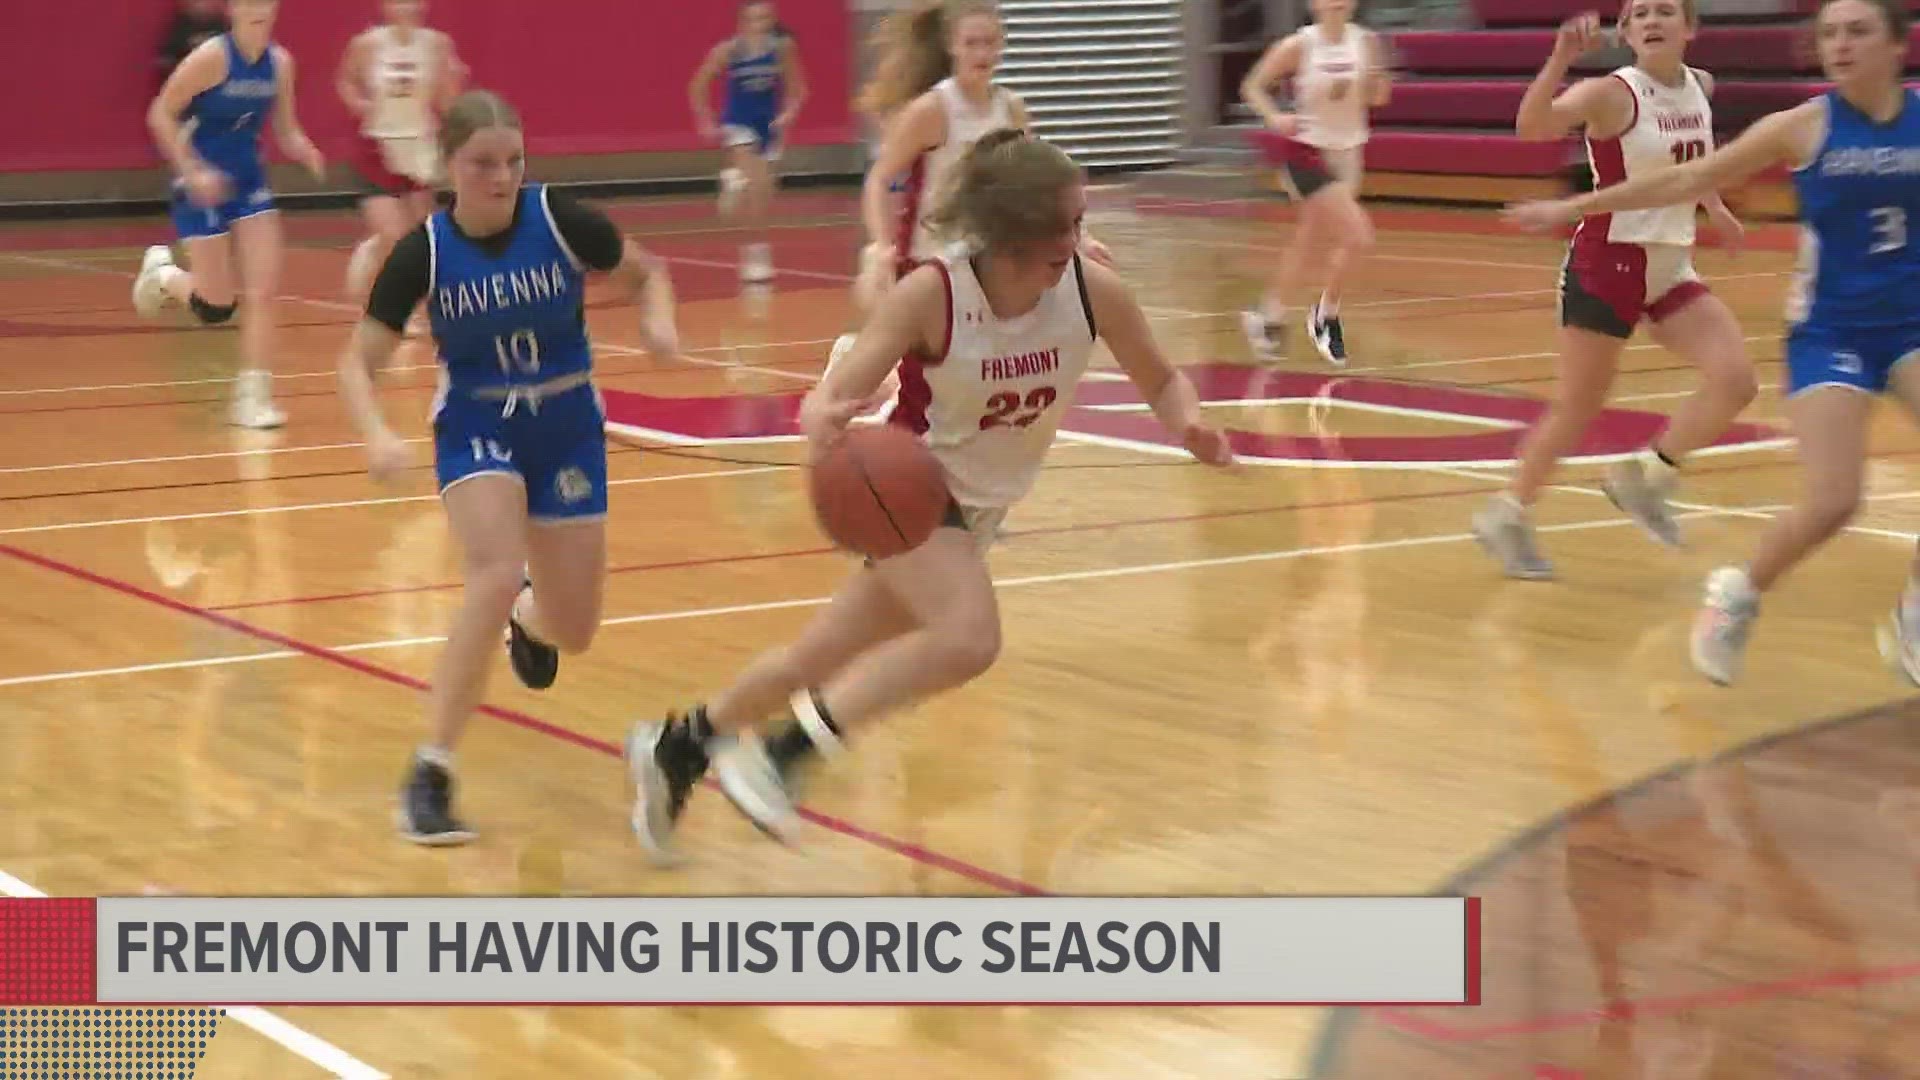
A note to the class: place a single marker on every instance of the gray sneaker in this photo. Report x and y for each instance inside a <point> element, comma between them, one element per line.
<point>1720,630</point>
<point>1900,640</point>
<point>1503,529</point>
<point>757,786</point>
<point>1643,499</point>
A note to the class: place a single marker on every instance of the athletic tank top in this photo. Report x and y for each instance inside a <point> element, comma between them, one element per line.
<point>229,116</point>
<point>1671,126</point>
<point>400,77</point>
<point>512,319</point>
<point>965,125</point>
<point>753,82</point>
<point>988,408</point>
<point>1330,88</point>
<point>1859,200</point>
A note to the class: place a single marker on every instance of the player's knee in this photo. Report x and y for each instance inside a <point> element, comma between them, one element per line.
<point>494,584</point>
<point>1833,507</point>
<point>211,314</point>
<point>969,646</point>
<point>571,631</point>
<point>1734,380</point>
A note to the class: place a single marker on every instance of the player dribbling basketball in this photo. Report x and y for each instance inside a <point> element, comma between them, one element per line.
<point>995,335</point>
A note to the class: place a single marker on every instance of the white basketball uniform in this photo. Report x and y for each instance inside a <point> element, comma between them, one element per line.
<point>400,77</point>
<point>1638,264</point>
<point>1330,97</point>
<point>989,407</point>
<point>965,125</point>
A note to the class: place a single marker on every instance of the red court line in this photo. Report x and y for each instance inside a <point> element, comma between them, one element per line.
<point>1725,997</point>
<point>912,851</point>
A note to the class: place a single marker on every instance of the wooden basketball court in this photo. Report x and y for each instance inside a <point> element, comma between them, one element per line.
<point>1301,678</point>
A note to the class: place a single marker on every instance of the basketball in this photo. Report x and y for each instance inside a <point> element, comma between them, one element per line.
<point>878,492</point>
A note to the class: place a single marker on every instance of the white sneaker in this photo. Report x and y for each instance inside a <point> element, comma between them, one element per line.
<point>253,405</point>
<point>756,264</point>
<point>733,183</point>
<point>1718,642</point>
<point>149,285</point>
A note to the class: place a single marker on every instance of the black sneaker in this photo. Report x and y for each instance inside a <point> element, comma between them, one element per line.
<point>426,808</point>
<point>664,762</point>
<point>535,663</point>
<point>1328,339</point>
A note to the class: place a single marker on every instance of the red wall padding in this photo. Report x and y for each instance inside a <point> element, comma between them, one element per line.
<point>589,76</point>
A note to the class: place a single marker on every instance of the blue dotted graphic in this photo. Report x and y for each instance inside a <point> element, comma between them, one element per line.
<point>144,1044</point>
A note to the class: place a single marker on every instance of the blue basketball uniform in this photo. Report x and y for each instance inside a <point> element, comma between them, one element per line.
<point>226,123</point>
<point>1855,312</point>
<point>753,93</point>
<point>515,394</point>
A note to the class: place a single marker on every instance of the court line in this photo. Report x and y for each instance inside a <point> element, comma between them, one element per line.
<point>338,657</point>
<point>301,1042</point>
<point>68,526</point>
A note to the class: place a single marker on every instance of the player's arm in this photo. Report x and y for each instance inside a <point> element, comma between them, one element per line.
<point>1545,113</point>
<point>912,317</point>
<point>1281,59</point>
<point>1718,212</point>
<point>1379,72</point>
<point>1782,137</point>
<point>201,71</point>
<point>451,72</point>
<point>286,119</point>
<point>399,288</point>
<point>793,82</point>
<point>1119,321</point>
<point>700,89</point>
<point>349,79</point>
<point>639,275</point>
<point>919,127</point>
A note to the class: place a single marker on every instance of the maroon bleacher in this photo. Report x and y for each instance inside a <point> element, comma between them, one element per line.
<point>1458,103</point>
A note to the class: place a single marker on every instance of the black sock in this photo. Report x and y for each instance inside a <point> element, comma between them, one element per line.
<point>793,742</point>
<point>695,724</point>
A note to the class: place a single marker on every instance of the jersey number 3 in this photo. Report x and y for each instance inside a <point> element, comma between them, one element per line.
<point>1889,229</point>
<point>1006,409</point>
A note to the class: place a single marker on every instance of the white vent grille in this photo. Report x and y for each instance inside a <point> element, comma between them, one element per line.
<point>1102,78</point>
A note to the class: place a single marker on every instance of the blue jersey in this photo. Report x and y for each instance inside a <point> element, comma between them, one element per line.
<point>754,84</point>
<point>515,318</point>
<point>1859,201</point>
<point>229,116</point>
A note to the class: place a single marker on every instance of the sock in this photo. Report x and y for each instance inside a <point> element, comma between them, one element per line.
<point>696,726</point>
<point>1910,603</point>
<point>435,755</point>
<point>795,740</point>
<point>1273,310</point>
<point>520,602</point>
<point>1329,309</point>
<point>1511,505</point>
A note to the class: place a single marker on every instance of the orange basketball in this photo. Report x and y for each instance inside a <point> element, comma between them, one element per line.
<point>878,492</point>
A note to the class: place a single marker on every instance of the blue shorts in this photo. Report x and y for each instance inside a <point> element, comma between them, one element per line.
<point>1860,357</point>
<point>192,221</point>
<point>754,131</point>
<point>558,449</point>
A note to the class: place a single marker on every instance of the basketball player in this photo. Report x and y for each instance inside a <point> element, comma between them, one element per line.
<point>1854,320</point>
<point>903,628</point>
<point>1339,71</point>
<point>397,78</point>
<point>207,121</point>
<point>765,88</point>
<point>935,93</point>
<point>1625,268</point>
<point>518,443</point>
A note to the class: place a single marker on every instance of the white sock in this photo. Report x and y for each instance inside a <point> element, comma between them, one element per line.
<point>1273,310</point>
<point>521,603</point>
<point>1329,309</point>
<point>435,755</point>
<point>1656,468</point>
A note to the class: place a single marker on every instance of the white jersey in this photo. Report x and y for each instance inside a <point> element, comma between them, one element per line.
<point>989,408</point>
<point>400,77</point>
<point>1671,125</point>
<point>965,125</point>
<point>1330,87</point>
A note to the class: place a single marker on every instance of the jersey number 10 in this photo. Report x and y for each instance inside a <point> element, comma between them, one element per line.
<point>1684,152</point>
<point>518,351</point>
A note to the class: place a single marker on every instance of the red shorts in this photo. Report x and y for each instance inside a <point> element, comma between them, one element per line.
<point>1610,288</point>
<point>377,173</point>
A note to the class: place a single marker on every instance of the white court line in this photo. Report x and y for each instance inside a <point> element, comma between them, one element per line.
<point>188,457</point>
<point>301,1042</point>
<point>1274,555</point>
<point>66,526</point>
<point>1679,393</point>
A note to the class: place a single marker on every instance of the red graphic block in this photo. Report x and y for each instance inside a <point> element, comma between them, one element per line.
<point>46,952</point>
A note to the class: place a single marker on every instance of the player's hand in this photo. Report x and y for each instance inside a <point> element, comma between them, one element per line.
<point>708,129</point>
<point>387,457</point>
<point>1097,251</point>
<point>1284,124</point>
<point>1732,233</point>
<point>1208,445</point>
<point>207,186</point>
<point>660,335</point>
<point>1539,215</point>
<point>309,155</point>
<point>824,420</point>
<point>1579,36</point>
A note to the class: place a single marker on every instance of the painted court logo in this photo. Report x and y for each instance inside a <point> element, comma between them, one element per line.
<point>1448,425</point>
